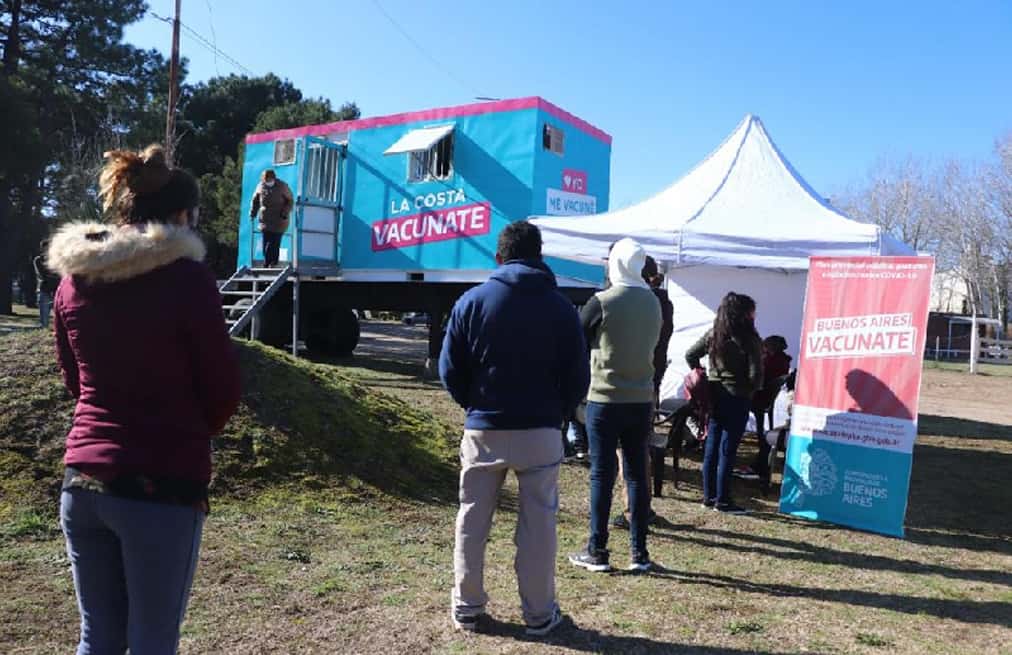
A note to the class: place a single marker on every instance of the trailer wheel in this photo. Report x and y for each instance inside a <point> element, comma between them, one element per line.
<point>333,331</point>
<point>274,326</point>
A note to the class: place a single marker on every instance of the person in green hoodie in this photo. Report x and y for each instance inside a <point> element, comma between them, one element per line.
<point>734,353</point>
<point>622,324</point>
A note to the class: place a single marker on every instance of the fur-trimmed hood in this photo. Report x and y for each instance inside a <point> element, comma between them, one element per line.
<point>99,252</point>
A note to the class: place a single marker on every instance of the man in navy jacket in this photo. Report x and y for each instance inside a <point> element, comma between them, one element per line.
<point>515,358</point>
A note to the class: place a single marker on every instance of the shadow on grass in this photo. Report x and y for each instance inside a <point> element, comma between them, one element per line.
<point>967,611</point>
<point>404,368</point>
<point>959,497</point>
<point>962,492</point>
<point>950,426</point>
<point>588,640</point>
<point>798,550</point>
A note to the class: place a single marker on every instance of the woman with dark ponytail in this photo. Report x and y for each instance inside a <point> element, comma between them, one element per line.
<point>734,353</point>
<point>142,345</point>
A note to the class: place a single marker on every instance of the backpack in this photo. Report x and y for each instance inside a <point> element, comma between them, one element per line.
<point>697,388</point>
<point>697,391</point>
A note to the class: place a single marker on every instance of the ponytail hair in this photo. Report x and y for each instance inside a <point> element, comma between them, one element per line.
<point>141,187</point>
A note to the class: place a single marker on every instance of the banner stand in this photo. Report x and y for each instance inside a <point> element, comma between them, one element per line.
<point>854,421</point>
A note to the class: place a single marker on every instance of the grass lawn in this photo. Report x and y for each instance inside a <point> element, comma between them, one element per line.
<point>364,565</point>
<point>22,318</point>
<point>1000,370</point>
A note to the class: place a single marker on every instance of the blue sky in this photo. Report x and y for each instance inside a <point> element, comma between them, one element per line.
<point>839,85</point>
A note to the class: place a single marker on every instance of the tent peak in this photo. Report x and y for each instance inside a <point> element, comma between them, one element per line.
<point>751,119</point>
<point>744,204</point>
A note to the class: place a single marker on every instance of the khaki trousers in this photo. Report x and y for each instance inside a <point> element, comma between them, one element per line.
<point>485,457</point>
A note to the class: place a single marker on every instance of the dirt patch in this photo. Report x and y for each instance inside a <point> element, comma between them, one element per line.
<point>980,398</point>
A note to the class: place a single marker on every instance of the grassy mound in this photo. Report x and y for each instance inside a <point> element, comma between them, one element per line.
<point>299,424</point>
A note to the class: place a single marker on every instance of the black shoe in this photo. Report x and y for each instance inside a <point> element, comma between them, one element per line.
<point>468,622</point>
<point>745,473</point>
<point>640,563</point>
<point>708,504</point>
<point>546,627</point>
<point>620,522</point>
<point>596,562</point>
<point>729,508</point>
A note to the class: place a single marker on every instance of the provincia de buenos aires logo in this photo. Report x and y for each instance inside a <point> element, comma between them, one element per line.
<point>870,335</point>
<point>818,472</point>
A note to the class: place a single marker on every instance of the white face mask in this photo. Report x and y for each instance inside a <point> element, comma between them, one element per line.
<point>269,183</point>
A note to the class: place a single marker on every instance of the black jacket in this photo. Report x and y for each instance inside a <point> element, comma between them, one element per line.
<point>740,371</point>
<point>45,279</point>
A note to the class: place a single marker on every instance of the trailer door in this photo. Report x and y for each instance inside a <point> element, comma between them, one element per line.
<point>318,206</point>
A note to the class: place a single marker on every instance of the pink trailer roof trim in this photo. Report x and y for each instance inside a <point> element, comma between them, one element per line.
<point>442,113</point>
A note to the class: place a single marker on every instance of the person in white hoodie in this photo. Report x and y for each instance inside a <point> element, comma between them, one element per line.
<point>622,325</point>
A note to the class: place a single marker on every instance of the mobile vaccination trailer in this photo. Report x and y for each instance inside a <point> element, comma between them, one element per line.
<point>403,212</point>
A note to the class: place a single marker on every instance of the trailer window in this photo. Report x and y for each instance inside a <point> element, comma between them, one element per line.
<point>436,163</point>
<point>553,139</point>
<point>322,166</point>
<point>284,152</point>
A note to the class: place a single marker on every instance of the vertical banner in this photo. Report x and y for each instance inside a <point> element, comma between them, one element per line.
<point>859,376</point>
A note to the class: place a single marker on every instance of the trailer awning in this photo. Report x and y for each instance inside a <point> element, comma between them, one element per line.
<point>419,140</point>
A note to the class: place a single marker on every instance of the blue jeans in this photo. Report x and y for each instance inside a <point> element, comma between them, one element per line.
<point>727,424</point>
<point>608,426</point>
<point>133,564</point>
<point>45,302</point>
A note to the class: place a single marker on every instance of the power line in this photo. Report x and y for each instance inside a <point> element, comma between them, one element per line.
<point>202,40</point>
<point>214,37</point>
<point>213,48</point>
<point>423,51</point>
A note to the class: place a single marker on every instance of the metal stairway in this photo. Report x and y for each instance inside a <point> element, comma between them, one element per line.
<point>249,290</point>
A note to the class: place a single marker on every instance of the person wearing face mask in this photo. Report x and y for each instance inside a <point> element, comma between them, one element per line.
<point>142,345</point>
<point>734,354</point>
<point>272,202</point>
<point>622,324</point>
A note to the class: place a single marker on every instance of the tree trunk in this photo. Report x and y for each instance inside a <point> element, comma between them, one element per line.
<point>1001,292</point>
<point>12,48</point>
<point>6,249</point>
<point>12,56</point>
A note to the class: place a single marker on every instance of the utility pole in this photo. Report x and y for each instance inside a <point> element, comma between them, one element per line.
<point>170,118</point>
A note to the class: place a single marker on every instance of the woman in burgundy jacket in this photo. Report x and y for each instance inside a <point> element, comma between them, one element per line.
<point>143,348</point>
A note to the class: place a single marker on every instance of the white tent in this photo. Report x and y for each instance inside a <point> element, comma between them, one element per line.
<point>742,220</point>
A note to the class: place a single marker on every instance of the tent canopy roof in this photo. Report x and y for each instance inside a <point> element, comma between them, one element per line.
<point>743,205</point>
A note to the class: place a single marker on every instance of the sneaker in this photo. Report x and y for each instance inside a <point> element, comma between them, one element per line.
<point>745,473</point>
<point>546,627</point>
<point>596,562</point>
<point>641,564</point>
<point>467,622</point>
<point>729,508</point>
<point>708,504</point>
